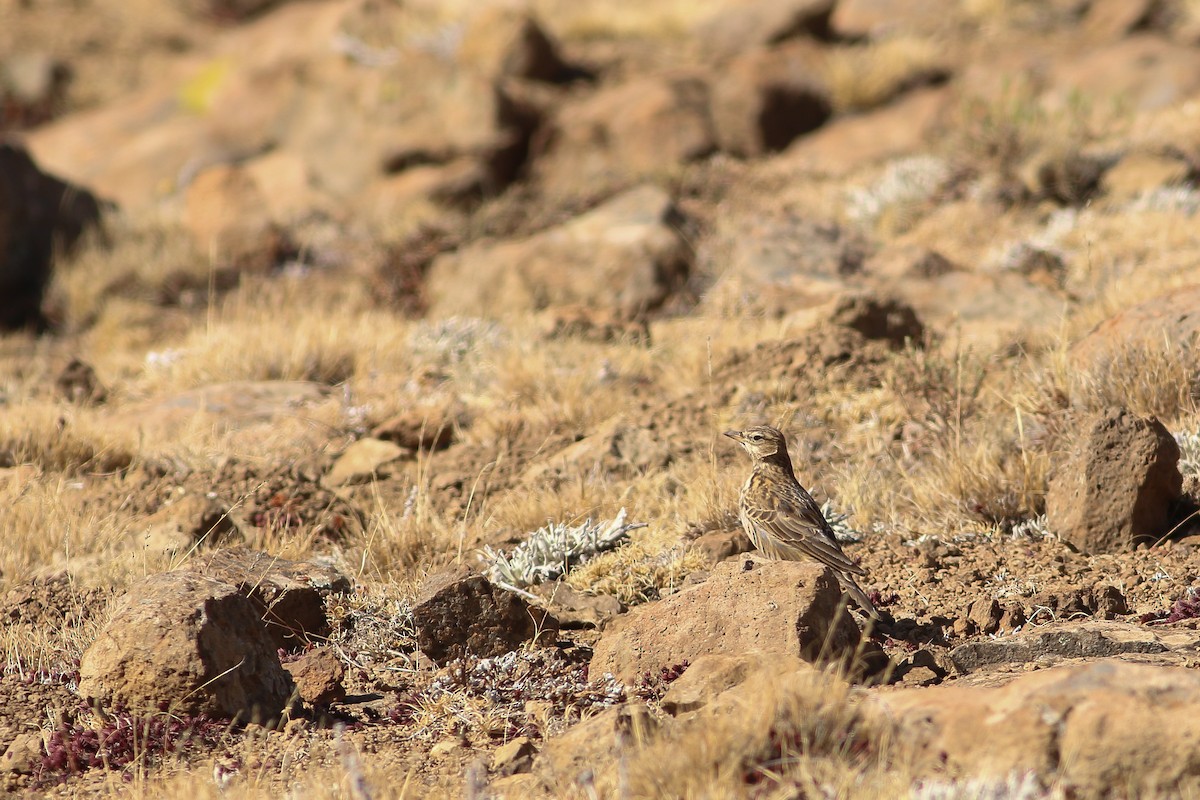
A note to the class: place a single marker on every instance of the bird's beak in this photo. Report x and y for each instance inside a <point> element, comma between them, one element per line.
<point>735,435</point>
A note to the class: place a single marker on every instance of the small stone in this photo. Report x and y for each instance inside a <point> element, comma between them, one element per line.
<point>318,676</point>
<point>23,754</point>
<point>514,757</point>
<point>362,461</point>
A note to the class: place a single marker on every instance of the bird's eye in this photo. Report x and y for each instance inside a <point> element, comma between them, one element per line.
<point>757,437</point>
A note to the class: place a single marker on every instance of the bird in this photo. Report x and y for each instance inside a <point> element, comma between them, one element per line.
<point>782,519</point>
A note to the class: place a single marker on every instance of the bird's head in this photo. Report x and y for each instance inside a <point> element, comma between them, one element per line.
<point>762,442</point>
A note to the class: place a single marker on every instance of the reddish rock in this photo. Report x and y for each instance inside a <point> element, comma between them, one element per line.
<point>847,143</point>
<point>318,675</point>
<point>626,255</point>
<point>766,99</point>
<point>781,607</point>
<point>502,42</point>
<point>187,643</point>
<point>1117,484</point>
<point>460,613</point>
<point>1074,724</point>
<point>744,25</point>
<point>289,595</point>
<point>633,129</point>
<point>228,218</point>
<point>513,757</point>
<point>1170,320</point>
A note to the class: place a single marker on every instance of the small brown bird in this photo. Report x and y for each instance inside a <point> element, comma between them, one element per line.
<point>782,519</point>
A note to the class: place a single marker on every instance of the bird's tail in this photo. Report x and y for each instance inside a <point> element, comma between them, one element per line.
<point>851,588</point>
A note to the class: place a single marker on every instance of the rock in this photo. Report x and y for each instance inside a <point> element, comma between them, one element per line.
<point>885,319</point>
<point>79,384</point>
<point>576,609</point>
<point>289,595</point>
<point>1170,320</point>
<point>740,26</point>
<point>190,644</point>
<point>767,98</point>
<point>1143,70</point>
<point>187,521</point>
<point>635,129</point>
<point>1116,485</point>
<point>986,616</point>
<point>1075,726</point>
<point>625,255</point>
<point>513,757</point>
<point>229,219</point>
<point>711,675</point>
<point>1087,640</point>
<point>919,669</point>
<point>459,613</point>
<point>986,307</point>
<point>848,143</point>
<point>23,755</point>
<point>1102,601</point>
<point>1112,19</point>
<point>40,217</point>
<point>362,462</point>
<point>318,675</point>
<point>502,42</point>
<point>1138,173</point>
<point>618,446</point>
<point>780,246</point>
<point>419,429</point>
<point>777,607</point>
<point>720,545</point>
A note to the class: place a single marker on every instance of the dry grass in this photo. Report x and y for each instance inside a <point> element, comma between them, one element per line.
<point>783,735</point>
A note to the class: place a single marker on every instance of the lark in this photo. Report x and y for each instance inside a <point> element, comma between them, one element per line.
<point>782,519</point>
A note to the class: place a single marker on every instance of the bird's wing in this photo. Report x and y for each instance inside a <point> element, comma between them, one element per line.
<point>793,519</point>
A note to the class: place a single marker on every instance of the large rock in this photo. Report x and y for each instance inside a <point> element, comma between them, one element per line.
<point>1116,485</point>
<point>626,255</point>
<point>777,608</point>
<point>767,98</point>
<point>1088,728</point>
<point>503,42</point>
<point>639,128</point>
<point>459,613</point>
<point>289,595</point>
<point>740,26</point>
<point>187,643</point>
<point>40,216</point>
<point>229,218</point>
<point>1170,320</point>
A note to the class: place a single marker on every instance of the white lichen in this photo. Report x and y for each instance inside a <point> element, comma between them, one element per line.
<point>550,551</point>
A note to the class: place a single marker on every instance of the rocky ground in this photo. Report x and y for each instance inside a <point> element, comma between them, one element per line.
<point>365,365</point>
